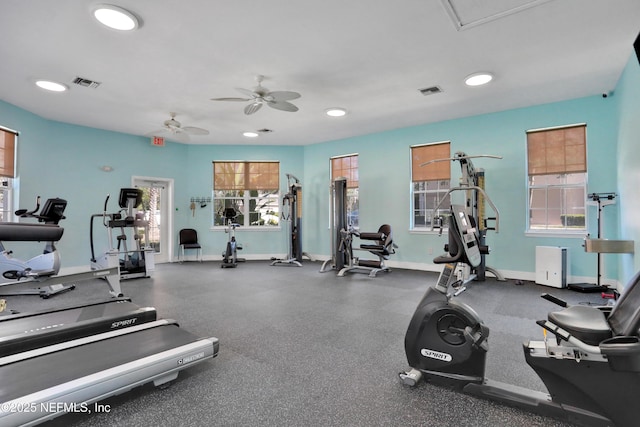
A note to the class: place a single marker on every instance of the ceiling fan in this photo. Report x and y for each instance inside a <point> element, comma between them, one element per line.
<point>260,95</point>
<point>180,132</point>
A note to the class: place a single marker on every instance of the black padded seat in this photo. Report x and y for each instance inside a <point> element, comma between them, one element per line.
<point>586,323</point>
<point>384,238</point>
<point>375,248</point>
<point>18,232</point>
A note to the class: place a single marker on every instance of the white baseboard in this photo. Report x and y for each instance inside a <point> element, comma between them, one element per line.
<point>529,276</point>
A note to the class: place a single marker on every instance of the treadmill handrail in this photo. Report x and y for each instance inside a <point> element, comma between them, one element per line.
<point>82,341</point>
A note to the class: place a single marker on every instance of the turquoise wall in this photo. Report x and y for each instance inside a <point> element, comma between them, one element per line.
<point>63,160</point>
<point>56,159</point>
<point>628,170</point>
<point>198,172</point>
<point>384,168</point>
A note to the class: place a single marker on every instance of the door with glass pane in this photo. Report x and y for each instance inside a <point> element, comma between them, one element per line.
<point>156,201</point>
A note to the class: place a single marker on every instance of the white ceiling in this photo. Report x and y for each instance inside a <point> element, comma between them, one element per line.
<point>369,56</point>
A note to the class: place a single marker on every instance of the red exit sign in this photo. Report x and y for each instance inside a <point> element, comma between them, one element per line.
<point>158,141</point>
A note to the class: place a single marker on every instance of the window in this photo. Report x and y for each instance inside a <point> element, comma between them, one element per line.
<point>7,172</point>
<point>429,183</point>
<point>251,188</point>
<point>557,184</point>
<point>347,166</point>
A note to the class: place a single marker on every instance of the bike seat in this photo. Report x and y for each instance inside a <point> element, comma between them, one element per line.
<point>586,323</point>
<point>17,232</point>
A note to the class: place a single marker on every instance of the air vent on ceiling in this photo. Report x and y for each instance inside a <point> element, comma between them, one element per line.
<point>430,90</point>
<point>264,130</point>
<point>81,81</point>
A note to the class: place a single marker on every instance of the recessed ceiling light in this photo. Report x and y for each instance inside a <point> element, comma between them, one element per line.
<point>52,86</point>
<point>335,112</point>
<point>116,17</point>
<point>478,79</point>
<point>250,134</point>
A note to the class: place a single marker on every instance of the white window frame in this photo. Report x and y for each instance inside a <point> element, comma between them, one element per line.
<point>6,199</point>
<point>437,195</point>
<point>245,200</point>
<point>442,188</point>
<point>8,185</point>
<point>353,196</point>
<point>548,229</point>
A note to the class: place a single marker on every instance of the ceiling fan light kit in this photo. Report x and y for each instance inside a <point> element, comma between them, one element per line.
<point>175,128</point>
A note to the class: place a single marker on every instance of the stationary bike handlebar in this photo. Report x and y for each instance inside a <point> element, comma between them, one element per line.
<point>25,213</point>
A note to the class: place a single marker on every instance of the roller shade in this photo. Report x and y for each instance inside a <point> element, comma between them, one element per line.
<point>557,151</point>
<point>246,175</point>
<point>434,171</point>
<point>7,153</point>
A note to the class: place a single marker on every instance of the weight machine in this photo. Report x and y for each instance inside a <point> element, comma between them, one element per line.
<point>472,183</point>
<point>342,234</point>
<point>292,216</point>
<point>337,222</point>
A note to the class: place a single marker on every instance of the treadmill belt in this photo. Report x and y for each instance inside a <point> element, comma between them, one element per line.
<point>30,332</point>
<point>39,373</point>
<point>65,317</point>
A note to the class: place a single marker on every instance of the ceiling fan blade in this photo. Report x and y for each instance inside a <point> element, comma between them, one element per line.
<point>283,105</point>
<point>231,99</point>
<point>191,130</point>
<point>251,94</point>
<point>178,137</point>
<point>283,95</point>
<point>252,108</point>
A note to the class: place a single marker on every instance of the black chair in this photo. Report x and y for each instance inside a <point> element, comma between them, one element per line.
<point>189,240</point>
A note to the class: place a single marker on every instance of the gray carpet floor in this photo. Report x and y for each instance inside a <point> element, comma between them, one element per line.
<point>303,348</point>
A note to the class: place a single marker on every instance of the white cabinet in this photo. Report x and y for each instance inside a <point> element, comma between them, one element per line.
<point>552,266</point>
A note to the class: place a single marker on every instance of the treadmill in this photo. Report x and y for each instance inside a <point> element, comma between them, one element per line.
<point>41,384</point>
<point>27,331</point>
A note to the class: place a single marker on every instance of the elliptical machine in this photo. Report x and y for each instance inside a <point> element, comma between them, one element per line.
<point>230,255</point>
<point>591,368</point>
<point>135,261</point>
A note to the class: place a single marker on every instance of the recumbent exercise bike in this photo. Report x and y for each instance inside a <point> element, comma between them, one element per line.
<point>591,369</point>
<point>48,262</point>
